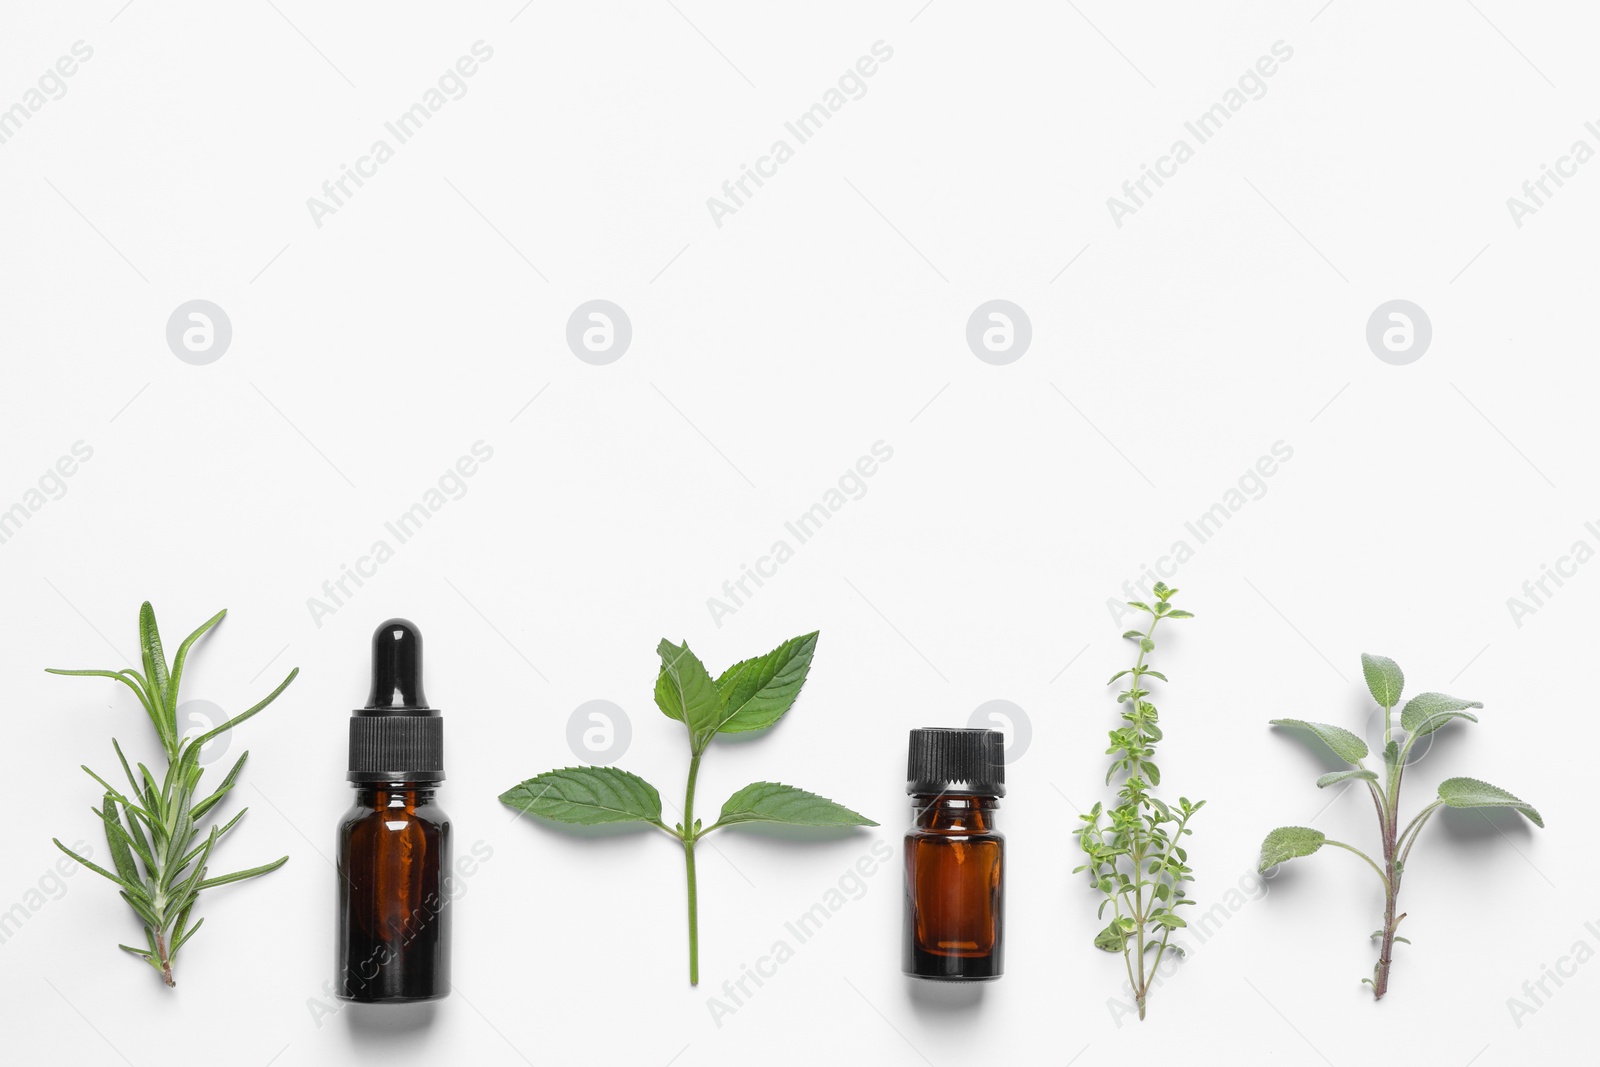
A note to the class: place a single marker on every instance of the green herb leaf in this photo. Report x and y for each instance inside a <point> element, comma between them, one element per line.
<point>1112,939</point>
<point>155,661</point>
<point>685,691</point>
<point>773,802</point>
<point>1384,679</point>
<point>117,841</point>
<point>586,796</point>
<point>1287,843</point>
<point>1346,745</point>
<point>174,873</point>
<point>757,692</point>
<point>239,876</point>
<point>179,660</point>
<point>1340,776</point>
<point>1472,793</point>
<point>1426,712</point>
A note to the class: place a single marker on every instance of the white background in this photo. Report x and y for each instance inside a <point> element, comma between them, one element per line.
<point>769,353</point>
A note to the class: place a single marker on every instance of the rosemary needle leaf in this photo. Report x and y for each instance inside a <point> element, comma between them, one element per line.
<point>239,876</point>
<point>158,821</point>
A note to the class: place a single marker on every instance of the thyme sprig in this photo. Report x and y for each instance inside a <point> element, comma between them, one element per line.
<point>1135,861</point>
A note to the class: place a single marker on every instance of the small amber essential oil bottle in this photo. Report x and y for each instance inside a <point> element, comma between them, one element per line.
<point>955,890</point>
<point>394,843</point>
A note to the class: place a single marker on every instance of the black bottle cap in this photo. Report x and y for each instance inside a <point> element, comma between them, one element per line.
<point>967,762</point>
<point>396,737</point>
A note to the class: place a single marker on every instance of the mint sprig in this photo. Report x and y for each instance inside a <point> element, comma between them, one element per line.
<point>1421,716</point>
<point>749,696</point>
<point>151,829</point>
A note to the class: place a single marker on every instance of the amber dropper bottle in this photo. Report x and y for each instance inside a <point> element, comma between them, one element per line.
<point>955,890</point>
<point>394,843</point>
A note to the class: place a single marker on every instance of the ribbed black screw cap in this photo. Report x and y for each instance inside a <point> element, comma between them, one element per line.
<point>397,737</point>
<point>963,761</point>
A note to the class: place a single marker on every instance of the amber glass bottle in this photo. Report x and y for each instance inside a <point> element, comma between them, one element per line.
<point>394,843</point>
<point>955,890</point>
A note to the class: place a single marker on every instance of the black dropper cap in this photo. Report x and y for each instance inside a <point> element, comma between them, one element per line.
<point>396,737</point>
<point>966,761</point>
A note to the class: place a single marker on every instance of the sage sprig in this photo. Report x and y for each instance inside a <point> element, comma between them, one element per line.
<point>1421,716</point>
<point>151,829</point>
<point>1135,861</point>
<point>750,695</point>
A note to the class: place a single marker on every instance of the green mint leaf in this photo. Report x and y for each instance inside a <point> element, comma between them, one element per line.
<point>772,802</point>
<point>1340,776</point>
<point>757,692</point>
<point>586,796</point>
<point>1472,793</point>
<point>1346,745</point>
<point>1426,712</point>
<point>1287,843</point>
<point>685,691</point>
<point>1384,679</point>
<point>1180,614</point>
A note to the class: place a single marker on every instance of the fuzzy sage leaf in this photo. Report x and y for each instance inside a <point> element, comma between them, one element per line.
<point>1288,843</point>
<point>1346,745</point>
<point>1471,793</point>
<point>1384,679</point>
<point>1426,712</point>
<point>1421,715</point>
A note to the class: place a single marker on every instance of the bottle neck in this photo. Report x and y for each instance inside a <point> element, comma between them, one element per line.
<point>964,813</point>
<point>394,794</point>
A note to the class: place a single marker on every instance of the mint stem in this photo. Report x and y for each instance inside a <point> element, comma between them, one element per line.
<point>688,832</point>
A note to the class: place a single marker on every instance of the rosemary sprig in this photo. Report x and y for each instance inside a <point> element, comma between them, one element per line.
<point>160,871</point>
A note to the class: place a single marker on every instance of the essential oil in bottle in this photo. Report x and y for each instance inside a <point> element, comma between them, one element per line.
<point>394,843</point>
<point>955,890</point>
